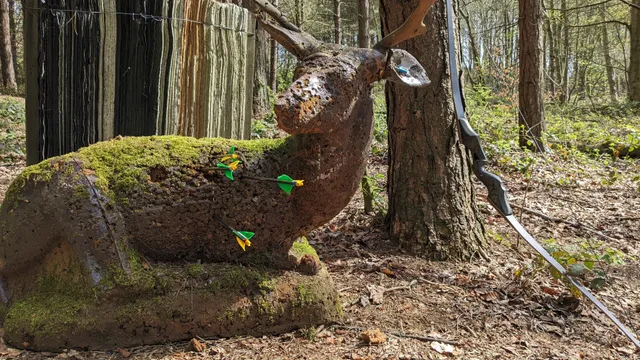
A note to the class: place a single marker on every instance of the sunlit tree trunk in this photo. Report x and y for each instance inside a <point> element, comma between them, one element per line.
<point>432,208</point>
<point>6,57</point>
<point>565,53</point>
<point>551,43</point>
<point>634,60</point>
<point>273,70</point>
<point>531,114</point>
<point>337,22</point>
<point>607,56</point>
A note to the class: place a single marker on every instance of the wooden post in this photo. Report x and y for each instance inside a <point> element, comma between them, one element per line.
<point>30,26</point>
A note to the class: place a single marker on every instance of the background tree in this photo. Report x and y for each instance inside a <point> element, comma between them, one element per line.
<point>531,114</point>
<point>634,63</point>
<point>337,22</point>
<point>431,201</point>
<point>6,55</point>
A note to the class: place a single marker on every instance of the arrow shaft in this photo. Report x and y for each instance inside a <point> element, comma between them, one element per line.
<point>257,178</point>
<point>218,219</point>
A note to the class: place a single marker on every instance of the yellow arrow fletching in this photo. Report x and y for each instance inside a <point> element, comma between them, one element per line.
<point>241,243</point>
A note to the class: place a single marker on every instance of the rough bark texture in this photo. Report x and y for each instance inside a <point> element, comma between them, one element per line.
<point>363,24</point>
<point>431,201</point>
<point>261,71</point>
<point>531,86</point>
<point>634,60</point>
<point>566,93</point>
<point>613,93</point>
<point>13,31</point>
<point>273,69</point>
<point>337,22</point>
<point>6,57</point>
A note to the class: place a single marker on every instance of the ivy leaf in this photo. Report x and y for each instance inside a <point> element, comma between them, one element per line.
<point>589,264</point>
<point>577,269</point>
<point>598,283</point>
<point>555,273</point>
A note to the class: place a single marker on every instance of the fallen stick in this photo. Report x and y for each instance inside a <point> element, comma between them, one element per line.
<point>556,220</point>
<point>575,225</point>
<point>401,334</point>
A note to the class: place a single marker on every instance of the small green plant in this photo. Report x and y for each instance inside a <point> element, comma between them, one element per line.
<point>377,193</point>
<point>585,260</point>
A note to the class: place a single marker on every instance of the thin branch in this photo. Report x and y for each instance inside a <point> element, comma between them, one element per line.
<point>602,23</point>
<point>630,4</point>
<point>556,220</point>
<point>401,334</point>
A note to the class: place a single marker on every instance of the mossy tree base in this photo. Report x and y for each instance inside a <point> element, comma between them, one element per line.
<point>166,303</point>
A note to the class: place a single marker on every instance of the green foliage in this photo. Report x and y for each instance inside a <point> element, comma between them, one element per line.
<point>12,135</point>
<point>380,130</point>
<point>586,260</point>
<point>378,193</point>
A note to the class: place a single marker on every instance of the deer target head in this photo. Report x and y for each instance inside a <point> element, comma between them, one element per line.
<point>330,79</point>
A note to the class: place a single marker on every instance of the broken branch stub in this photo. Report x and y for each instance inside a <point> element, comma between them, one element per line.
<point>412,27</point>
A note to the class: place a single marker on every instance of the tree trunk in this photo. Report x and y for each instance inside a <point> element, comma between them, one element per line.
<point>432,208</point>
<point>299,13</point>
<point>364,42</point>
<point>607,56</point>
<point>260,82</point>
<point>337,22</point>
<point>565,54</point>
<point>363,24</point>
<point>261,70</point>
<point>476,63</point>
<point>634,60</point>
<point>273,70</point>
<point>551,42</point>
<point>13,30</point>
<point>531,114</point>
<point>6,57</point>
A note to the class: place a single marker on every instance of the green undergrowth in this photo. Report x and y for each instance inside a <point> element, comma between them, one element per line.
<point>12,133</point>
<point>606,129</point>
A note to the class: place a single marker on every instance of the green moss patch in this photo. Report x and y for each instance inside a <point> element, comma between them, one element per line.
<point>61,314</point>
<point>301,248</point>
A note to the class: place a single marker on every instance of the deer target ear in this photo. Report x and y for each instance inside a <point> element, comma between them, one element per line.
<point>403,68</point>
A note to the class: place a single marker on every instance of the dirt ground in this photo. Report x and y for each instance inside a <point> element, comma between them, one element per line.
<point>506,308</point>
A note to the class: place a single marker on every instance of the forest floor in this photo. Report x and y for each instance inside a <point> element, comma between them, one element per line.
<point>507,308</point>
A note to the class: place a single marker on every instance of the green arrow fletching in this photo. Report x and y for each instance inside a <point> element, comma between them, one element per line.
<point>286,183</point>
<point>245,235</point>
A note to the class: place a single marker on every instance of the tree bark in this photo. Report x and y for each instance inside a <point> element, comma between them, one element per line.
<point>261,70</point>
<point>6,57</point>
<point>432,208</point>
<point>634,60</point>
<point>363,24</point>
<point>564,98</point>
<point>260,82</point>
<point>337,22</point>
<point>531,114</point>
<point>273,70</point>
<point>551,43</point>
<point>13,30</point>
<point>607,57</point>
<point>299,13</point>
<point>364,42</point>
